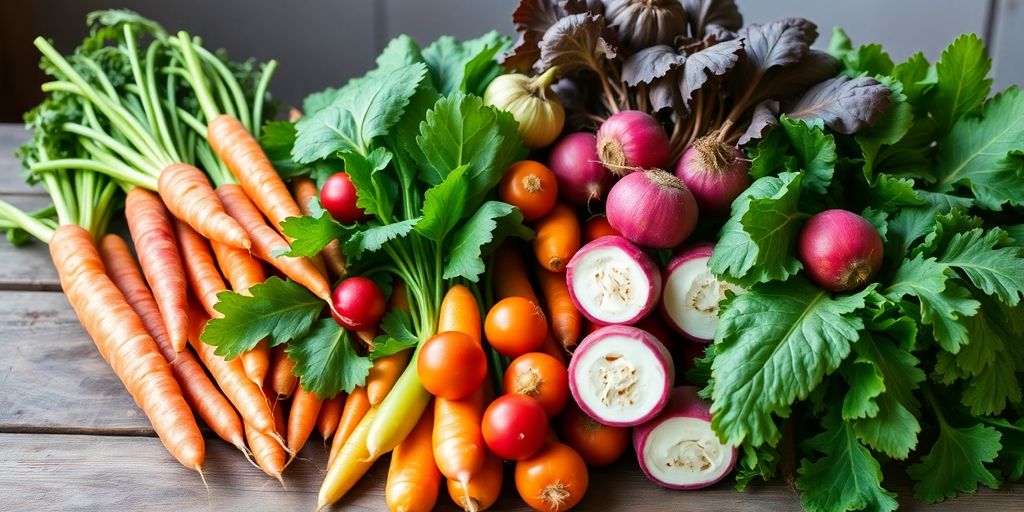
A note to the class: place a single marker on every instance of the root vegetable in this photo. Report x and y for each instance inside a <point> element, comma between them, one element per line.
<point>653,209</point>
<point>691,294</point>
<point>612,281</point>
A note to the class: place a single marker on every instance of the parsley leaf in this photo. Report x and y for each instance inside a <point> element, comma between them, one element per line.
<point>311,233</point>
<point>466,66</point>
<point>962,83</point>
<point>815,153</point>
<point>943,304</point>
<point>443,206</point>
<point>325,361</point>
<point>375,192</point>
<point>984,258</point>
<point>491,224</point>
<point>398,335</point>
<point>956,463</point>
<point>373,238</point>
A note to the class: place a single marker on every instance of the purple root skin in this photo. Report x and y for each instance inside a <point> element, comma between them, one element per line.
<point>630,251</point>
<point>631,140</point>
<point>653,209</point>
<point>840,250</point>
<point>715,172</point>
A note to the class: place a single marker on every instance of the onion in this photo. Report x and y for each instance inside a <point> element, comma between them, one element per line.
<point>581,177</point>
<point>715,173</point>
<point>840,250</point>
<point>652,208</point>
<point>612,281</point>
<point>531,102</point>
<point>691,294</point>
<point>632,140</point>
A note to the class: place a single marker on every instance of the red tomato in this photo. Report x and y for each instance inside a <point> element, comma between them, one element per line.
<point>338,197</point>
<point>515,427</point>
<point>451,365</point>
<point>358,303</point>
<point>515,326</point>
<point>541,377</point>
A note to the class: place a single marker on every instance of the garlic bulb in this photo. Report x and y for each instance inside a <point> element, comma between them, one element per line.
<point>644,23</point>
<point>532,103</point>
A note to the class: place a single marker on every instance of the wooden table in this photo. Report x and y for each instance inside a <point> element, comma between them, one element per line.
<point>72,439</point>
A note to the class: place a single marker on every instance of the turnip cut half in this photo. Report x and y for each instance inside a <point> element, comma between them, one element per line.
<point>691,294</point>
<point>621,376</point>
<point>612,281</point>
<point>678,449</point>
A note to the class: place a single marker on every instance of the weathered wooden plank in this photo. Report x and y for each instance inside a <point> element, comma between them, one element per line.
<point>1007,42</point>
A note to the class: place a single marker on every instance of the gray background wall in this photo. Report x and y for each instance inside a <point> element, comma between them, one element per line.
<point>325,42</point>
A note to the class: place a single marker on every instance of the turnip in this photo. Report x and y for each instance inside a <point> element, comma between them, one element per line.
<point>691,294</point>
<point>632,140</point>
<point>715,173</point>
<point>652,208</point>
<point>840,250</point>
<point>678,449</point>
<point>612,281</point>
<point>581,177</point>
<point>621,376</point>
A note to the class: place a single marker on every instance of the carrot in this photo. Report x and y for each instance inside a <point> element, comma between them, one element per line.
<point>200,267</point>
<point>399,296</point>
<point>265,241</point>
<point>558,237</point>
<point>122,340</point>
<point>151,230</point>
<point>200,393</point>
<point>355,409</point>
<point>459,312</point>
<point>302,418</point>
<point>565,319</point>
<point>249,164</point>
<point>514,279</point>
<point>384,373</point>
<point>483,488</point>
<point>243,271</point>
<point>267,452</point>
<point>305,190</point>
<point>187,193</point>
<point>458,442</point>
<point>282,381</point>
<point>413,477</point>
<point>352,462</point>
<point>330,415</point>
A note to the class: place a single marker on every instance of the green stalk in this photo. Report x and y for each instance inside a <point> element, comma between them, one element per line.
<point>158,112</point>
<point>133,60</point>
<point>50,183</point>
<point>261,93</point>
<point>228,79</point>
<point>33,226</point>
<point>126,153</point>
<point>138,179</point>
<point>108,88</point>
<point>224,96</point>
<point>197,78</point>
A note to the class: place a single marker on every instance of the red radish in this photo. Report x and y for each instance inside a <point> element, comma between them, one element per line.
<point>621,376</point>
<point>653,209</point>
<point>612,281</point>
<point>515,427</point>
<point>358,303</point>
<point>692,292</point>
<point>578,170</point>
<point>338,197</point>
<point>840,250</point>
<point>632,140</point>
<point>678,449</point>
<point>715,173</point>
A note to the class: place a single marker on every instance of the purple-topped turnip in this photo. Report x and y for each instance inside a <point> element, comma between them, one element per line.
<point>691,293</point>
<point>840,250</point>
<point>632,140</point>
<point>678,450</point>
<point>715,173</point>
<point>581,177</point>
<point>621,376</point>
<point>612,281</point>
<point>652,208</point>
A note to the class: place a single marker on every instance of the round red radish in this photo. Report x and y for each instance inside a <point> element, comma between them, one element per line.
<point>632,140</point>
<point>514,427</point>
<point>715,173</point>
<point>653,209</point>
<point>691,294</point>
<point>678,449</point>
<point>581,177</point>
<point>612,281</point>
<point>840,250</point>
<point>621,376</point>
<point>358,303</point>
<point>338,197</point>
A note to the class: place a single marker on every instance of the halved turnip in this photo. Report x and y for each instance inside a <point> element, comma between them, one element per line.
<point>621,376</point>
<point>691,294</point>
<point>678,449</point>
<point>612,281</point>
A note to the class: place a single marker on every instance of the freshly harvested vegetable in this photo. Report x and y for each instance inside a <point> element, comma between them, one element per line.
<point>840,250</point>
<point>458,439</point>
<point>330,416</point>
<point>200,267</point>
<point>692,294</point>
<point>715,175</point>
<point>358,303</point>
<point>582,179</point>
<point>338,197</point>
<point>384,373</point>
<point>515,427</point>
<point>621,376</point>
<point>532,103</point>
<point>558,238</point>
<point>306,191</point>
<point>515,326</point>
<point>553,480</point>
<point>266,451</point>
<point>652,208</point>
<point>598,444</point>
<point>483,488</point>
<point>596,227</point>
<point>302,419</point>
<point>566,320</point>
<point>413,477</point>
<point>530,186</point>
<point>631,141</point>
<point>451,365</point>
<point>541,377</point>
<point>357,405</point>
<point>283,380</point>
<point>612,281</point>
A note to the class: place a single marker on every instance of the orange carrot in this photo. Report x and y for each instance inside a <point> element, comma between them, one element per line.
<point>565,319</point>
<point>330,416</point>
<point>458,442</point>
<point>253,170</point>
<point>267,452</point>
<point>151,230</point>
<point>200,393</point>
<point>302,418</point>
<point>243,271</point>
<point>514,278</point>
<point>305,190</point>
<point>399,296</point>
<point>384,373</point>
<point>122,340</point>
<point>483,488</point>
<point>413,478</point>
<point>265,241</point>
<point>282,381</point>
<point>187,193</point>
<point>459,312</point>
<point>558,237</point>
<point>356,406</point>
<point>200,267</point>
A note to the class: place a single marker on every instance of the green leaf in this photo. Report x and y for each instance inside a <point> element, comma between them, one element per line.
<point>991,360</point>
<point>491,224</point>
<point>277,139</point>
<point>866,383</point>
<point>1017,234</point>
<point>894,124</point>
<point>840,45</point>
<point>760,462</point>
<point>400,51</point>
<point>757,244</point>
<point>1011,458</point>
<point>325,361</point>
<point>894,428</point>
<point>278,309</point>
<point>914,74</point>
<point>867,59</point>
<point>398,335</point>
<point>815,153</point>
<point>769,156</point>
<point>956,463</point>
<point>774,345</point>
<point>983,256</point>
<point>376,192</point>
<point>961,84</point>
<point>444,205</point>
<point>943,303</point>
<point>889,193</point>
<point>373,238</point>
<point>310,234</point>
<point>466,66</point>
<point>878,219</point>
<point>980,153</point>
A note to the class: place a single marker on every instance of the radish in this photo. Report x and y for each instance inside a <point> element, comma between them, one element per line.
<point>691,294</point>
<point>652,208</point>
<point>678,449</point>
<point>338,197</point>
<point>840,250</point>
<point>621,376</point>
<point>612,281</point>
<point>358,303</point>
<point>632,140</point>
<point>581,177</point>
<point>715,173</point>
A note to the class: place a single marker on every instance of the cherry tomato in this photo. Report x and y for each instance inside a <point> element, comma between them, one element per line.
<point>553,480</point>
<point>515,326</point>
<point>515,427</point>
<point>338,197</point>
<point>529,186</point>
<point>358,303</point>
<point>451,365</point>
<point>596,227</point>
<point>598,444</point>
<point>541,377</point>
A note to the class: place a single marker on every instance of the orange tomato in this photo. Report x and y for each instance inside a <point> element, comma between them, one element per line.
<point>515,326</point>
<point>451,365</point>
<point>599,445</point>
<point>540,376</point>
<point>554,480</point>
<point>529,186</point>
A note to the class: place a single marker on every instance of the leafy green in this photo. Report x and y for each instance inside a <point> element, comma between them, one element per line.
<point>398,335</point>
<point>943,304</point>
<point>961,80</point>
<point>312,233</point>
<point>465,66</point>
<point>956,463</point>
<point>491,224</point>
<point>326,361</point>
